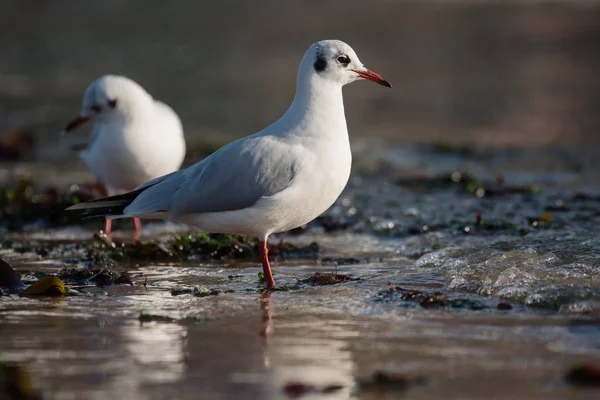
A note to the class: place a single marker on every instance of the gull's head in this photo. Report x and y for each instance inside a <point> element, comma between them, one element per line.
<point>111,98</point>
<point>335,61</point>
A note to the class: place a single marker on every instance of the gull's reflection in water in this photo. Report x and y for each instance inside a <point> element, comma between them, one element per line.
<point>306,349</point>
<point>252,353</point>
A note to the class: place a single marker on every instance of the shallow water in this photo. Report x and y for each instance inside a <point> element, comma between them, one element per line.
<point>246,344</point>
<point>388,231</point>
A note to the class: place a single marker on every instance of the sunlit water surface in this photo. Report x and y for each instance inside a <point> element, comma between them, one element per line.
<point>247,344</point>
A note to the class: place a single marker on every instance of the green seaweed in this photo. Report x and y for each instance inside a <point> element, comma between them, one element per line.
<point>281,288</point>
<point>207,293</point>
<point>145,317</point>
<point>203,246</point>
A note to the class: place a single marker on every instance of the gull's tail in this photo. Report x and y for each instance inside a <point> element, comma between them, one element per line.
<point>107,206</point>
<point>154,206</point>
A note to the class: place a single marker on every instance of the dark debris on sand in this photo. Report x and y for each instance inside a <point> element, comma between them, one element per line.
<point>296,389</point>
<point>10,280</point>
<point>98,276</point>
<point>584,375</point>
<point>324,279</point>
<point>180,291</point>
<point>381,381</point>
<point>426,300</point>
<point>76,275</point>
<point>145,318</point>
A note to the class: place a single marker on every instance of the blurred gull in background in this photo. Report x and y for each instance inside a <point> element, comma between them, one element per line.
<point>134,138</point>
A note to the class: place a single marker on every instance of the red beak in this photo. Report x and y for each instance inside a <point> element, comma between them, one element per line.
<point>75,123</point>
<point>374,77</point>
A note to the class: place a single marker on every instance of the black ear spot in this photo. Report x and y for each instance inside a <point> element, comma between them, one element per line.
<point>320,64</point>
<point>112,103</point>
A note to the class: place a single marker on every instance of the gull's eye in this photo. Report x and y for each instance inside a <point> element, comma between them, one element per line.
<point>112,103</point>
<point>344,60</point>
<point>96,108</point>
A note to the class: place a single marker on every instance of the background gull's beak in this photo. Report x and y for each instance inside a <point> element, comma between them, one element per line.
<point>79,120</point>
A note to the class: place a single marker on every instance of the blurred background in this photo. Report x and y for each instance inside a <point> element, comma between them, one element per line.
<point>491,74</point>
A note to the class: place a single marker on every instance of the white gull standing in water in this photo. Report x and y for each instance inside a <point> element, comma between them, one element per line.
<point>134,137</point>
<point>272,181</point>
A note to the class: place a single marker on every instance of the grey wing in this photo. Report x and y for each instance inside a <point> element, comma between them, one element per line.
<point>233,178</point>
<point>156,195</point>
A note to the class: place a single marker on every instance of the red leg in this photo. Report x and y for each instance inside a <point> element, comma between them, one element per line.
<point>107,226</point>
<point>137,228</point>
<point>102,189</point>
<point>264,254</point>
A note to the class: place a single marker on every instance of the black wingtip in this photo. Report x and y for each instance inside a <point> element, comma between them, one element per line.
<point>106,206</point>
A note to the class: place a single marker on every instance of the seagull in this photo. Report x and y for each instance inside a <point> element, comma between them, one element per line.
<point>134,138</point>
<point>272,181</point>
